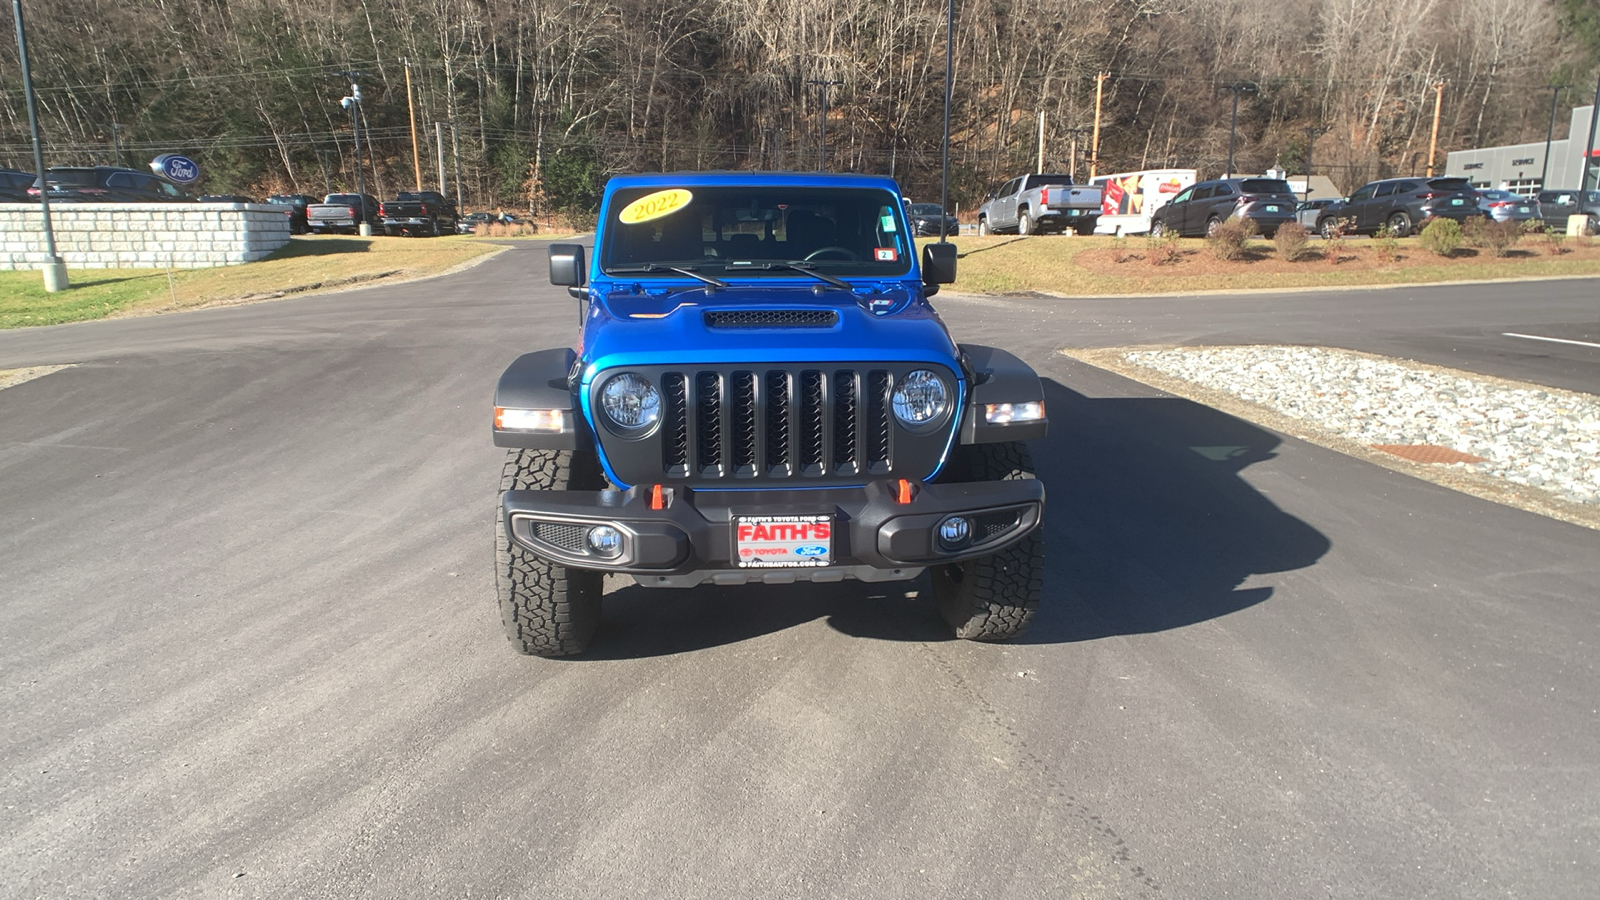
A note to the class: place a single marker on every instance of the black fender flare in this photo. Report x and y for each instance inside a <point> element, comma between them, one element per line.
<point>996,376</point>
<point>540,380</point>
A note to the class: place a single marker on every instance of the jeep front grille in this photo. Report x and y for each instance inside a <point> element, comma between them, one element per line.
<point>751,424</point>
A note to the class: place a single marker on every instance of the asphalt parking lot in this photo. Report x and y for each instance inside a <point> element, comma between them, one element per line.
<point>251,649</point>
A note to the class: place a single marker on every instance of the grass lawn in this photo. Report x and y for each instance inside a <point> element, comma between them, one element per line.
<point>311,263</point>
<point>1079,266</point>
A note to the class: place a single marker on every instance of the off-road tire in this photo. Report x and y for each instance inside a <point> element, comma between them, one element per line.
<point>991,598</point>
<point>547,609</point>
<point>1400,224</point>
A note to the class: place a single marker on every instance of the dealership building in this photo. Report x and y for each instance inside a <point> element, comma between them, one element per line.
<point>1521,167</point>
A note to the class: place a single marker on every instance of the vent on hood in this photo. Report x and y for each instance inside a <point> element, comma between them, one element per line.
<point>771,318</point>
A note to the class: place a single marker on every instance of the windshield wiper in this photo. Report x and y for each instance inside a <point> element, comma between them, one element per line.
<point>654,268</point>
<point>809,269</point>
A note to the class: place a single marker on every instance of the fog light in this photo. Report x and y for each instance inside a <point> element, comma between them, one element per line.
<point>954,531</point>
<point>605,540</point>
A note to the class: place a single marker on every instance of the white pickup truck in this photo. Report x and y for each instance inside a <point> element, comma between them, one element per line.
<point>1037,204</point>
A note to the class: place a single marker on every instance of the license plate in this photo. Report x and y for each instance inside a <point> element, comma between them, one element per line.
<point>770,542</point>
<point>1458,202</point>
<point>340,222</point>
<point>1272,209</point>
<point>1524,209</point>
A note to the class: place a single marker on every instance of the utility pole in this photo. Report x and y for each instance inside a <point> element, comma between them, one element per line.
<point>55,271</point>
<point>1433,142</point>
<point>416,152</point>
<point>353,103</point>
<point>822,164</point>
<point>1094,148</point>
<point>455,156</point>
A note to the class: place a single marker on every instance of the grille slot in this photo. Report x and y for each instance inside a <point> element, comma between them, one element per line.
<point>771,318</point>
<point>742,424</point>
<point>876,423</point>
<point>845,424</point>
<point>708,416</point>
<point>675,426</point>
<point>778,459</point>
<point>813,423</point>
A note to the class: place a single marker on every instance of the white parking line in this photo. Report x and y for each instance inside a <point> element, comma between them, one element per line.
<point>1535,337</point>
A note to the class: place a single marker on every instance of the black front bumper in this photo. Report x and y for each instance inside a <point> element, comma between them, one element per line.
<point>693,532</point>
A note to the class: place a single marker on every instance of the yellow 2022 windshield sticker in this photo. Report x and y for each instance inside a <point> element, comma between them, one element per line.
<point>655,206</point>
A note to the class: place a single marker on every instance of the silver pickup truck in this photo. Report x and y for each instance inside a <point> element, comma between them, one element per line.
<point>1037,204</point>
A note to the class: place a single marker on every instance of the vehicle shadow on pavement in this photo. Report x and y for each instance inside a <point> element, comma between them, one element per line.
<point>1148,524</point>
<point>1148,527</point>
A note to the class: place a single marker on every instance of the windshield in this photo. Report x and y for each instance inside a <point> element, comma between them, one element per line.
<point>737,230</point>
<point>925,209</point>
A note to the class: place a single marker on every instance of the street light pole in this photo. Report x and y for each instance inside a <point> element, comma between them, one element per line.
<point>353,103</point>
<point>55,271</point>
<point>822,164</point>
<point>1237,87</point>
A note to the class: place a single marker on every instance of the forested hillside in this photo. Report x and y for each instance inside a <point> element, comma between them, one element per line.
<point>548,96</point>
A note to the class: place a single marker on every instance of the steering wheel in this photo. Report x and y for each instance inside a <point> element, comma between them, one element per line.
<point>844,252</point>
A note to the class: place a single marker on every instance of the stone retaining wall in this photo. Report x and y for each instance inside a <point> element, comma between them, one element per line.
<point>142,235</point>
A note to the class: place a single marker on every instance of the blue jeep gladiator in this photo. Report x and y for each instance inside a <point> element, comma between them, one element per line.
<point>762,393</point>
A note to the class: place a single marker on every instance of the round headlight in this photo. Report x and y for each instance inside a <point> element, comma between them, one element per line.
<point>631,402</point>
<point>920,398</point>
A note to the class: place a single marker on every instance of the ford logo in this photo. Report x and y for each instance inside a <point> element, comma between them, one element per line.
<point>175,168</point>
<point>810,551</point>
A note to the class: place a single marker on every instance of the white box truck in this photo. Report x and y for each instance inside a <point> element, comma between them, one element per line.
<point>1127,199</point>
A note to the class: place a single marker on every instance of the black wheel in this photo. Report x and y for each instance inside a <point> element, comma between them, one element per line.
<point>1158,229</point>
<point>983,227</point>
<point>1328,228</point>
<point>1212,224</point>
<point>1400,224</point>
<point>1025,224</point>
<point>547,609</point>
<point>992,598</point>
<point>435,227</point>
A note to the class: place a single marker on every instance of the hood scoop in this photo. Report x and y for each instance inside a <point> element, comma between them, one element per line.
<point>771,318</point>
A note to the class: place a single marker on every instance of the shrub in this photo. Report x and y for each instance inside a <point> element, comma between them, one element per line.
<point>1442,237</point>
<point>1554,238</point>
<point>1228,241</point>
<point>1293,241</point>
<point>1119,249</point>
<point>1163,250</point>
<point>1386,244</point>
<point>1487,234</point>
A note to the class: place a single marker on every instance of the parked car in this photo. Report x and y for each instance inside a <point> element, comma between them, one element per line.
<point>1505,206</point>
<point>1308,211</point>
<point>225,198</point>
<point>927,219</point>
<point>1198,210</point>
<point>14,186</point>
<point>469,223</point>
<point>1031,204</point>
<point>342,213</point>
<point>419,212</point>
<point>295,208</point>
<point>109,184</point>
<point>1403,204</point>
<point>1558,205</point>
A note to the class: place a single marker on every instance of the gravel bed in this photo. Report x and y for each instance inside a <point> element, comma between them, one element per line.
<point>1540,437</point>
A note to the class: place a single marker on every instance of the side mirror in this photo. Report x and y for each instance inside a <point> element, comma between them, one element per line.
<point>566,265</point>
<point>939,263</point>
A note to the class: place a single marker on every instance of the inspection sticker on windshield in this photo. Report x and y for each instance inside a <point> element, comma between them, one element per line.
<point>654,206</point>
<point>782,541</point>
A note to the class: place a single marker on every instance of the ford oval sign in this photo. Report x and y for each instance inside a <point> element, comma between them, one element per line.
<point>176,169</point>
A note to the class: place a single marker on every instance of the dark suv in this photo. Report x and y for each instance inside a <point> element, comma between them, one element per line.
<point>14,186</point>
<point>1200,208</point>
<point>1558,205</point>
<point>109,184</point>
<point>295,206</point>
<point>1403,204</point>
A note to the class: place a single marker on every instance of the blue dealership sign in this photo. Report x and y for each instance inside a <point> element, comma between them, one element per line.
<point>176,169</point>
